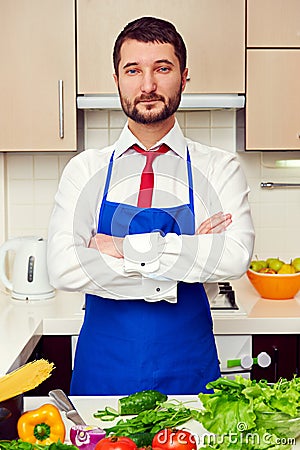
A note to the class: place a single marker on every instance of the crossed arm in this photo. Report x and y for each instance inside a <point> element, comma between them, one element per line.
<point>113,246</point>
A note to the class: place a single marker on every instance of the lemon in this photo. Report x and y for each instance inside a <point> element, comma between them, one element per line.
<point>287,268</point>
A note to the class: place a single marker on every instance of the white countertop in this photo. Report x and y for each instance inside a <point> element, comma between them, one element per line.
<point>23,322</point>
<point>87,406</point>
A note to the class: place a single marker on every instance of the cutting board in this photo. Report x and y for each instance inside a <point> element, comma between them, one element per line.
<point>87,406</point>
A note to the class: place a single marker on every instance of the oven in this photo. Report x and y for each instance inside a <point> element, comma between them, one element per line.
<point>234,351</point>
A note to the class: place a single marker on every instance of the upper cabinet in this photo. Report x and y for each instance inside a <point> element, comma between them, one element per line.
<point>37,76</point>
<point>272,105</point>
<point>273,67</point>
<point>273,23</point>
<point>213,30</point>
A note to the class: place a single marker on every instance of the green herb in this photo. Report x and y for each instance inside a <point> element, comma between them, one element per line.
<point>168,414</point>
<point>18,444</point>
<point>235,413</point>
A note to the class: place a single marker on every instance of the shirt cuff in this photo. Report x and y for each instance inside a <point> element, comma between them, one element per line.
<point>158,290</point>
<point>141,252</point>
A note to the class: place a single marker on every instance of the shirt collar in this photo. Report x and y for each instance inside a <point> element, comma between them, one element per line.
<point>174,139</point>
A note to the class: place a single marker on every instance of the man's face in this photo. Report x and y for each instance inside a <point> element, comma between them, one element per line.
<point>149,81</point>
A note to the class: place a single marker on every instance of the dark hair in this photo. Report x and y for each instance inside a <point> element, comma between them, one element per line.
<point>151,29</point>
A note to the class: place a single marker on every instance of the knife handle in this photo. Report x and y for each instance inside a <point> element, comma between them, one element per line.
<point>62,400</point>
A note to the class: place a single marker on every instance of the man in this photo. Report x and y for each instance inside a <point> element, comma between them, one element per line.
<point>140,237</point>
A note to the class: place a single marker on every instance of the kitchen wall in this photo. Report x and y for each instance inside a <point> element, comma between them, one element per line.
<point>28,181</point>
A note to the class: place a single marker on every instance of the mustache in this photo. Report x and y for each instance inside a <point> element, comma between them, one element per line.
<point>149,97</point>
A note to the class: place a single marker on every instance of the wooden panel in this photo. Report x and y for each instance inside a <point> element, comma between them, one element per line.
<point>273,106</point>
<point>273,23</point>
<point>213,30</point>
<point>37,49</point>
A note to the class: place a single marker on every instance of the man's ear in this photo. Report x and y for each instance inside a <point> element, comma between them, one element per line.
<point>116,79</point>
<point>184,78</point>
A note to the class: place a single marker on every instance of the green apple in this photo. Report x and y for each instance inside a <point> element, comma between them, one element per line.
<point>275,263</point>
<point>263,263</point>
<point>257,265</point>
<point>296,264</point>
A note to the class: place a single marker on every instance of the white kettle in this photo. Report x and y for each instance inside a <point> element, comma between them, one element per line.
<point>29,279</point>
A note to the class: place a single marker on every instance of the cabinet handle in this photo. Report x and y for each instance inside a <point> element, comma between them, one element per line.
<point>271,185</point>
<point>61,107</point>
<point>275,359</point>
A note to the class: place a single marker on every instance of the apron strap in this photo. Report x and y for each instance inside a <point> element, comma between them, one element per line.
<point>190,178</point>
<point>106,187</point>
<point>108,177</point>
<point>190,181</point>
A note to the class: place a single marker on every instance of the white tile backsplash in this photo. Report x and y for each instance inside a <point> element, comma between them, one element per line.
<point>45,167</point>
<point>117,119</point>
<point>223,119</point>
<point>198,119</point>
<point>28,181</point>
<point>97,138</point>
<point>21,192</point>
<point>199,134</point>
<point>223,138</point>
<point>19,166</point>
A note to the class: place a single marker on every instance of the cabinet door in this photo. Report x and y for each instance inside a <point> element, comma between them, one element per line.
<point>283,352</point>
<point>56,349</point>
<point>213,30</point>
<point>273,23</point>
<point>37,50</point>
<point>273,106</point>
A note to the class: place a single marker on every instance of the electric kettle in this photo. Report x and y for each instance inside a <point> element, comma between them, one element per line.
<point>29,279</point>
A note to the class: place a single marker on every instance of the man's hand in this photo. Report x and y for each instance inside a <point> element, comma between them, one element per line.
<point>110,245</point>
<point>215,224</point>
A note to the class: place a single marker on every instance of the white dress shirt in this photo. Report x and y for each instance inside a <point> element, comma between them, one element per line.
<point>152,264</point>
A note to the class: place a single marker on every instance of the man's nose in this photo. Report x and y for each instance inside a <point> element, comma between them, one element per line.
<point>148,82</point>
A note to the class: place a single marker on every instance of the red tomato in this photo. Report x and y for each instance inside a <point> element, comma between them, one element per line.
<point>173,439</point>
<point>116,443</point>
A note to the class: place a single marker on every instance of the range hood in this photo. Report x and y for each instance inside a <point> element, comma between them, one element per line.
<point>188,101</point>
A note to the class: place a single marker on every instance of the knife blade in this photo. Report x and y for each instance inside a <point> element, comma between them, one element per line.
<point>63,402</point>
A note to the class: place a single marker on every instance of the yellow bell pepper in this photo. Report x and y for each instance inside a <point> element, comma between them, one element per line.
<point>43,425</point>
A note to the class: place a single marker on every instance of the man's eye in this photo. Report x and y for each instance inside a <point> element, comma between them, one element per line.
<point>164,69</point>
<point>131,71</point>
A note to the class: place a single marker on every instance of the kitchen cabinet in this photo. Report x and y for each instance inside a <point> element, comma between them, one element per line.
<point>37,77</point>
<point>273,63</point>
<point>213,30</point>
<point>273,23</point>
<point>56,349</point>
<point>284,353</point>
<point>272,99</point>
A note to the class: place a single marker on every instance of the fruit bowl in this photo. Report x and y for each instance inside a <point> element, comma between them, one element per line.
<point>279,423</point>
<point>275,286</point>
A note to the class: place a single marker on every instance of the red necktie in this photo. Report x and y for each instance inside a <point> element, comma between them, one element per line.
<point>147,178</point>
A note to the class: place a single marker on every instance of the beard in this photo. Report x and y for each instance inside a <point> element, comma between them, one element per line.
<point>149,114</point>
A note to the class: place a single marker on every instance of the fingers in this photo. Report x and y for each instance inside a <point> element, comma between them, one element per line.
<point>215,224</point>
<point>109,245</point>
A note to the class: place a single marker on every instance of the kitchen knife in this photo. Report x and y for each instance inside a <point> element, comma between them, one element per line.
<point>64,404</point>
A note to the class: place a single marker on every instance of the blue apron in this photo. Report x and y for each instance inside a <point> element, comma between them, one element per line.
<point>127,346</point>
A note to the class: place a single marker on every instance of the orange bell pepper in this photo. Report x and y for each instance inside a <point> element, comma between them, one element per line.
<point>43,425</point>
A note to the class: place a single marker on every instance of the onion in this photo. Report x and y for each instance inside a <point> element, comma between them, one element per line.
<point>85,437</point>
